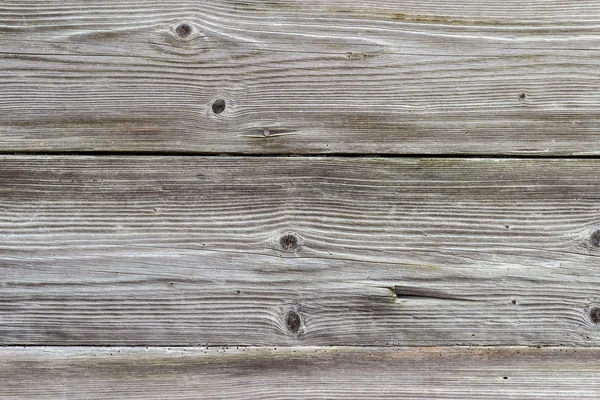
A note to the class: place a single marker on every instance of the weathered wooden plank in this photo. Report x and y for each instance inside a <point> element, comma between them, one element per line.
<point>379,76</point>
<point>299,373</point>
<point>290,251</point>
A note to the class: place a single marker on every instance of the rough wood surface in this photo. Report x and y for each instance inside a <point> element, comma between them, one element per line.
<point>298,251</point>
<point>299,373</point>
<point>318,76</point>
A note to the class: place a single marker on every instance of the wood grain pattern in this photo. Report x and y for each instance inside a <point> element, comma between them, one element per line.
<point>370,275</point>
<point>188,250</point>
<point>379,76</point>
<point>299,373</point>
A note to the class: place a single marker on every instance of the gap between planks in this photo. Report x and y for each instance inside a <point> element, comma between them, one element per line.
<point>184,153</point>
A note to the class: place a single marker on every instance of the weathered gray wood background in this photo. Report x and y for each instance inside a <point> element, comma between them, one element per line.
<point>299,199</point>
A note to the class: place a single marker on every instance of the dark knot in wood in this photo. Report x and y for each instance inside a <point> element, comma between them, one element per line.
<point>288,242</point>
<point>183,30</point>
<point>218,106</point>
<point>293,321</point>
<point>595,315</point>
<point>595,239</point>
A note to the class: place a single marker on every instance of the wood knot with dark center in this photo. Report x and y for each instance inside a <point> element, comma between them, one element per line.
<point>595,315</point>
<point>595,239</point>
<point>288,242</point>
<point>183,30</point>
<point>218,106</point>
<point>293,321</point>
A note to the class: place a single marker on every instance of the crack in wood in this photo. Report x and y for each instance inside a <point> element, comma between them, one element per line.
<point>407,293</point>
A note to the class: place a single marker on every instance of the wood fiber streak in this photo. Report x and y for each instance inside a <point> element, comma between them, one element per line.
<point>299,373</point>
<point>298,251</point>
<point>301,77</point>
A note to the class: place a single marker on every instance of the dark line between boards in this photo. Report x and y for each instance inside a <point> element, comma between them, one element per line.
<point>278,347</point>
<point>291,155</point>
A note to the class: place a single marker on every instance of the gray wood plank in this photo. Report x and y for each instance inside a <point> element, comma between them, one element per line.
<point>299,373</point>
<point>379,76</point>
<point>298,251</point>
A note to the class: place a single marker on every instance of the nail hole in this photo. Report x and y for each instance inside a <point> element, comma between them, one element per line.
<point>183,30</point>
<point>288,242</point>
<point>218,106</point>
<point>522,96</point>
<point>293,321</point>
<point>595,239</point>
<point>514,301</point>
<point>595,315</point>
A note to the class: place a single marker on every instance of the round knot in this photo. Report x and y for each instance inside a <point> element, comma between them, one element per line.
<point>293,321</point>
<point>218,106</point>
<point>184,30</point>
<point>595,239</point>
<point>595,315</point>
<point>288,242</point>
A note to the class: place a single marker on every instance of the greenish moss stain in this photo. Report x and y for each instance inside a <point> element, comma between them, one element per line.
<point>427,19</point>
<point>444,162</point>
<point>417,18</point>
<point>265,6</point>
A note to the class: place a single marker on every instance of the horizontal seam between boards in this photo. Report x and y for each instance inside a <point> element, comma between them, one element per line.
<point>296,155</point>
<point>278,348</point>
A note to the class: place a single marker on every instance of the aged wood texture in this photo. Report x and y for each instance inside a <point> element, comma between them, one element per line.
<point>300,373</point>
<point>298,251</point>
<point>377,76</point>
